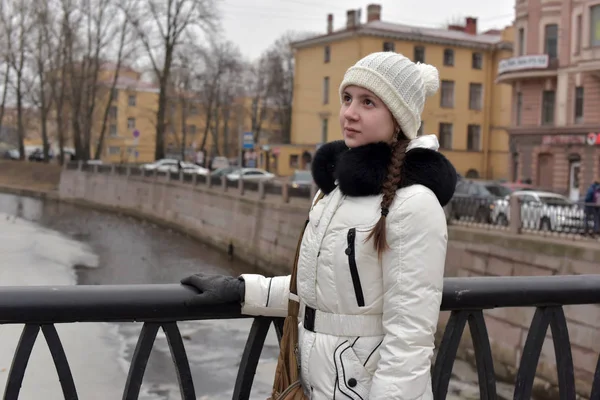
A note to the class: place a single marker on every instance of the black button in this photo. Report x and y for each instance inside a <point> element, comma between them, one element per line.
<point>319,254</point>
<point>352,382</point>
<point>348,251</point>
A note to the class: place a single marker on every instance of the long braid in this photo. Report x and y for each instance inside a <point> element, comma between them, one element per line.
<point>390,186</point>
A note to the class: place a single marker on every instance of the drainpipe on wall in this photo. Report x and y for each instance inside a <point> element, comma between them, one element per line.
<point>488,116</point>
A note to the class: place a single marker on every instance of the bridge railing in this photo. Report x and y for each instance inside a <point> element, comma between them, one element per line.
<point>162,306</point>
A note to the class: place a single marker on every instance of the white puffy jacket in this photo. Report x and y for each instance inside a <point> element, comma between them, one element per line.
<point>366,328</point>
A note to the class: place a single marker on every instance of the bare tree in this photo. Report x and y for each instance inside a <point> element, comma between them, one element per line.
<point>41,50</point>
<point>258,90</point>
<point>162,26</point>
<point>279,62</point>
<point>221,70</point>
<point>123,54</point>
<point>95,27</point>
<point>7,30</point>
<point>17,20</point>
<point>456,20</point>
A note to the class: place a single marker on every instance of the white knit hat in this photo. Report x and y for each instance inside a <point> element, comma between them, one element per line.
<point>401,84</point>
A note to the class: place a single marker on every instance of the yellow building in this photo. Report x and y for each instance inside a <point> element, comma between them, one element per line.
<point>469,114</point>
<point>131,127</point>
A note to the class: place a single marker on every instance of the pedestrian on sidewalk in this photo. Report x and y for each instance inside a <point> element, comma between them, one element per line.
<point>370,263</point>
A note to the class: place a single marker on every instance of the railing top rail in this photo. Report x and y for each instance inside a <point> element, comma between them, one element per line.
<point>167,302</point>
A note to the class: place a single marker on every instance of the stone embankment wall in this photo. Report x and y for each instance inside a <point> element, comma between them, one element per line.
<point>264,231</point>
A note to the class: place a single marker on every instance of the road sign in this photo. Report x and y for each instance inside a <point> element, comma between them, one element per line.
<point>136,133</point>
<point>248,140</point>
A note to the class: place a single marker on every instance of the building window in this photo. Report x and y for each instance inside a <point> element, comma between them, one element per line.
<point>419,54</point>
<point>474,138</point>
<point>445,135</point>
<point>421,127</point>
<point>191,130</point>
<point>131,100</point>
<point>112,112</point>
<point>114,150</point>
<point>324,126</point>
<point>579,105</point>
<point>447,98</point>
<point>595,26</point>
<point>388,46</point>
<point>551,41</point>
<point>578,34</point>
<point>113,130</point>
<point>475,96</point>
<point>130,123</point>
<point>548,98</point>
<point>519,107</point>
<point>521,41</point>
<point>326,90</point>
<point>327,54</point>
<point>294,161</point>
<point>477,61</point>
<point>449,57</point>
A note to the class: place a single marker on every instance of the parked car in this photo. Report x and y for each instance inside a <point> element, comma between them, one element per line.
<point>250,174</point>
<point>472,200</point>
<point>173,165</point>
<point>301,178</point>
<point>542,211</point>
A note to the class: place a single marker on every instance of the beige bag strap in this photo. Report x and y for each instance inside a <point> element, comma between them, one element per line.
<point>293,305</point>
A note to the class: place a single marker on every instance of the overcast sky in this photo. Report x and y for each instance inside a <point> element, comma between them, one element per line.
<point>253,25</point>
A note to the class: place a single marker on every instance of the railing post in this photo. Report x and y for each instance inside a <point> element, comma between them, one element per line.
<point>79,165</point>
<point>285,192</point>
<point>128,170</point>
<point>168,176</point>
<point>113,169</point>
<point>241,186</point>
<point>261,190</point>
<point>180,176</point>
<point>155,174</point>
<point>95,168</point>
<point>195,179</point>
<point>515,214</point>
<point>209,180</point>
<point>223,183</point>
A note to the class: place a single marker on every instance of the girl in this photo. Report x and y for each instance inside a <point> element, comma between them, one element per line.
<point>371,261</point>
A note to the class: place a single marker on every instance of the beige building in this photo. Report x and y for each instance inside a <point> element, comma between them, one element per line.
<point>555,79</point>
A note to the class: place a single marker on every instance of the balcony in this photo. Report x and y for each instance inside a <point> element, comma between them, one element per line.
<point>526,67</point>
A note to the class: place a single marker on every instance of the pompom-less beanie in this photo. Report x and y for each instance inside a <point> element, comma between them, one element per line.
<point>400,83</point>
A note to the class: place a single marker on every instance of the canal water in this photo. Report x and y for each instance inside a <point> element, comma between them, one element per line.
<point>51,243</point>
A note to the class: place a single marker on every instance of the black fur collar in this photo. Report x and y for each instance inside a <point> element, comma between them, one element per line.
<point>361,171</point>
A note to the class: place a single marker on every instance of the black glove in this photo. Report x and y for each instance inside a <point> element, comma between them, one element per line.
<point>215,289</point>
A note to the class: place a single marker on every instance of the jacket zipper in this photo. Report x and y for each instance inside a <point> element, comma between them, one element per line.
<point>350,252</point>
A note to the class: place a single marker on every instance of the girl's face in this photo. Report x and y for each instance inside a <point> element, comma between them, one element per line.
<point>364,118</point>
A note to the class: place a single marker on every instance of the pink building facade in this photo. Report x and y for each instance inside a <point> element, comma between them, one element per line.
<point>555,75</point>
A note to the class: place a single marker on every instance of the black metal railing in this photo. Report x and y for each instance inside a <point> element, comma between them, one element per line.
<point>553,217</point>
<point>271,187</point>
<point>573,220</point>
<point>161,306</point>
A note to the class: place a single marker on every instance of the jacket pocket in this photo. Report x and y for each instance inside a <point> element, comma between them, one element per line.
<point>353,380</point>
<point>351,253</point>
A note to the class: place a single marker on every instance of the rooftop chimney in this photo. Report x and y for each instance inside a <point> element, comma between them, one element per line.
<point>350,19</point>
<point>373,12</point>
<point>471,26</point>
<point>329,23</point>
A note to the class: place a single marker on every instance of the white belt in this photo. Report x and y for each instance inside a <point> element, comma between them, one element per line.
<point>353,325</point>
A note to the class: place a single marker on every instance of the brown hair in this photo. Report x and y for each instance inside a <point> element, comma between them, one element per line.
<point>390,185</point>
